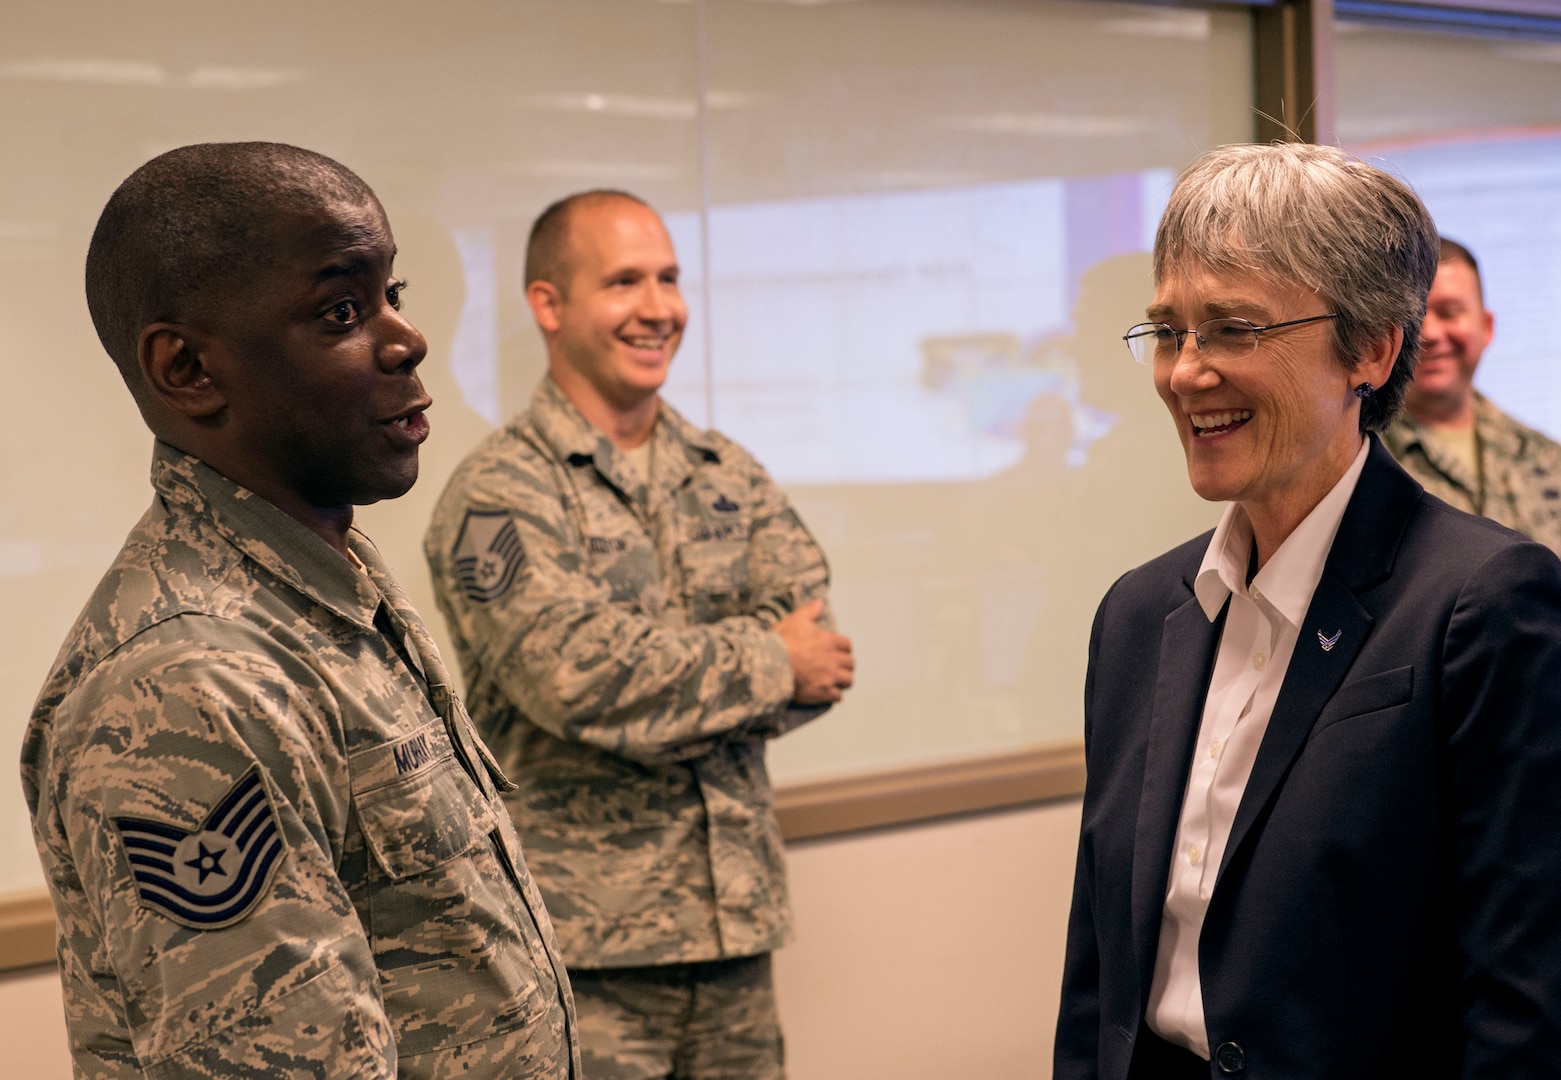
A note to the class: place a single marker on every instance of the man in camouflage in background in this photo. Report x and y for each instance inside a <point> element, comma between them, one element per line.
<point>637,610</point>
<point>274,841</point>
<point>1451,438</point>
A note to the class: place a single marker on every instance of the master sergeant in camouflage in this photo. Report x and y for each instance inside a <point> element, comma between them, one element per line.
<point>1460,446</point>
<point>637,610</point>
<point>275,843</point>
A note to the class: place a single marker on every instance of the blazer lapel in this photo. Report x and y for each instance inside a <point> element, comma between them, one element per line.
<point>1333,631</point>
<point>1187,645</point>
<point>1332,634</point>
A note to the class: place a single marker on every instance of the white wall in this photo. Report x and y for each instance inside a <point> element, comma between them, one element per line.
<point>32,1025</point>
<point>930,952</point>
<point>931,208</point>
<point>921,953</point>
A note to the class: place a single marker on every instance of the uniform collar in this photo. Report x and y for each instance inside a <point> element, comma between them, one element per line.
<point>1496,432</point>
<point>285,547</point>
<point>1496,438</point>
<point>1490,423</point>
<point>679,445</point>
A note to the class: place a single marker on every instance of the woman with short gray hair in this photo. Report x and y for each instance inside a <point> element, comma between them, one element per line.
<point>1324,765</point>
<point>1314,216</point>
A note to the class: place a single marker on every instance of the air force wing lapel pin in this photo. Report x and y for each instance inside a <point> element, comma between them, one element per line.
<point>1328,642</point>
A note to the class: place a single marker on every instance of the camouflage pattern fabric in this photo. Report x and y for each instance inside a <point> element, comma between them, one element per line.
<point>1521,467</point>
<point>275,843</point>
<point>614,637</point>
<point>710,1021</point>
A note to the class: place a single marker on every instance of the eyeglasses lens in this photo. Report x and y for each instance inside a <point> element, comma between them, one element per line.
<point>1227,339</point>
<point>1148,341</point>
<point>1219,339</point>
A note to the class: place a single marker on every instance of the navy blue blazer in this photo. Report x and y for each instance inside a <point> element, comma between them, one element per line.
<point>1389,902</point>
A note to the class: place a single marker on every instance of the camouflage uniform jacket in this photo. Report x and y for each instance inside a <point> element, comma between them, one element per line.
<point>618,659</point>
<point>1521,467</point>
<point>275,845</point>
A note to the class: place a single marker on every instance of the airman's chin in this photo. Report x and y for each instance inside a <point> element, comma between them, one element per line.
<point>389,486</point>
<point>646,381</point>
<point>1433,394</point>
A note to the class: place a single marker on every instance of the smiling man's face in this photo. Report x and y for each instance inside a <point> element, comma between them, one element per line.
<point>1456,330</point>
<point>618,322</point>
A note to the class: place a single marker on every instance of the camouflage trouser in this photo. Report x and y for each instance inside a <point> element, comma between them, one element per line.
<point>707,1021</point>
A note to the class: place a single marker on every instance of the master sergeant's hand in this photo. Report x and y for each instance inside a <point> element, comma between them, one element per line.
<point>821,662</point>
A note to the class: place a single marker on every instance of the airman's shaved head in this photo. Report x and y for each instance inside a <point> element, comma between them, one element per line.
<point>547,249</point>
<point>183,233</point>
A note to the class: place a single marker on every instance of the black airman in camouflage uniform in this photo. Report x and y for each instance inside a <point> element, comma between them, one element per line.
<point>275,843</point>
<point>637,610</point>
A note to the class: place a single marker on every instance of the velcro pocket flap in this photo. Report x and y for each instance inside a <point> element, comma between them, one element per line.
<point>414,801</point>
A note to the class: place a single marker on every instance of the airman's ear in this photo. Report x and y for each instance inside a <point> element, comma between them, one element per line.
<point>546,305</point>
<point>170,357</point>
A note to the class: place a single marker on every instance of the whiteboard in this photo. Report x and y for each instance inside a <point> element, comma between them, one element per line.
<point>913,232</point>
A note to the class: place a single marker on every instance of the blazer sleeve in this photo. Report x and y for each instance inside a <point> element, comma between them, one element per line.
<point>1076,1055</point>
<point>1501,714</point>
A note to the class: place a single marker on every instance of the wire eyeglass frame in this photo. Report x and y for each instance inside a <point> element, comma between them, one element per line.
<point>1144,340</point>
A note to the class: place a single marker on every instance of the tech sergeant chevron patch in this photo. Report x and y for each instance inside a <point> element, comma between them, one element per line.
<point>215,876</point>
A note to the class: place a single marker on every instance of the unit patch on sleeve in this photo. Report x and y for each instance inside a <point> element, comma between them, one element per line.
<point>487,554</point>
<point>215,876</point>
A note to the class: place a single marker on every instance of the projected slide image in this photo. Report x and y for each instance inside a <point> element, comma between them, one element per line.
<point>939,381</point>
